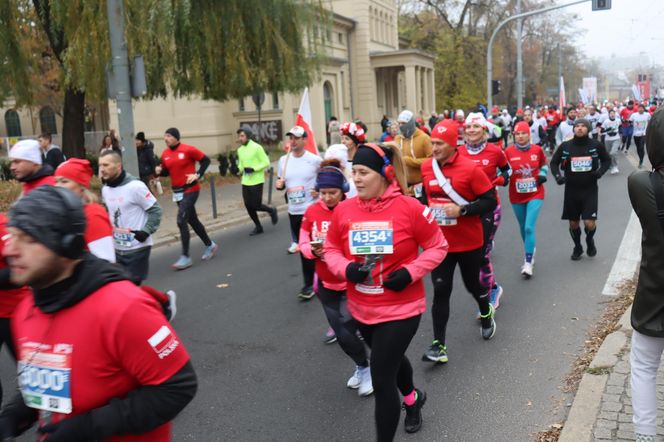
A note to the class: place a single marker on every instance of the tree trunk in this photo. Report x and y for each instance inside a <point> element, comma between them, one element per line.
<point>73,124</point>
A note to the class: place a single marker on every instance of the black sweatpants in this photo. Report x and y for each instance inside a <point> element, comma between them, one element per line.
<point>308,265</point>
<point>187,217</point>
<point>343,324</point>
<point>6,338</point>
<point>253,201</point>
<point>391,371</point>
<point>442,277</point>
<point>640,147</point>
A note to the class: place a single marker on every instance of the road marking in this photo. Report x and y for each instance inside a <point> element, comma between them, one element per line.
<point>628,258</point>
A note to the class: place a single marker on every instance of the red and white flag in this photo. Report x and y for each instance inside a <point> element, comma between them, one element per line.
<point>304,120</point>
<point>561,97</point>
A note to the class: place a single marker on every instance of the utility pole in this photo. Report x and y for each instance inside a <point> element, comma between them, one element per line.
<point>489,50</point>
<point>122,83</point>
<point>519,59</point>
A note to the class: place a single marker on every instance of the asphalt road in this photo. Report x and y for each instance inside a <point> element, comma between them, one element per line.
<point>264,373</point>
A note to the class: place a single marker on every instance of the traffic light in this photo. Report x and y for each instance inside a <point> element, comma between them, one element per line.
<point>495,87</point>
<point>601,5</point>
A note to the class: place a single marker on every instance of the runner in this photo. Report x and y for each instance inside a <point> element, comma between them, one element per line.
<point>584,161</point>
<point>491,159</point>
<point>297,176</point>
<point>332,185</point>
<point>594,118</point>
<point>626,128</point>
<point>610,132</point>
<point>552,122</point>
<point>252,162</point>
<point>415,146</point>
<point>640,121</point>
<point>26,165</point>
<point>537,131</point>
<point>179,161</point>
<point>565,130</point>
<point>460,119</point>
<point>526,189</point>
<point>373,243</point>
<point>85,322</point>
<point>458,192</point>
<point>352,136</point>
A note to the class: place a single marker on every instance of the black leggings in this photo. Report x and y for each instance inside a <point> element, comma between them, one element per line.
<point>391,371</point>
<point>640,147</point>
<point>187,217</point>
<point>343,324</point>
<point>442,277</point>
<point>253,201</point>
<point>308,265</point>
<point>6,338</point>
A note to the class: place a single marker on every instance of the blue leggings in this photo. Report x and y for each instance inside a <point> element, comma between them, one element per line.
<point>526,214</point>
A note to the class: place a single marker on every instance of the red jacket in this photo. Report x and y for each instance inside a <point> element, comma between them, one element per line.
<point>41,180</point>
<point>392,220</point>
<point>525,170</point>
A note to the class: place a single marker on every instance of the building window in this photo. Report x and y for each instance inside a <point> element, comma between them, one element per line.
<point>240,104</point>
<point>47,120</point>
<point>13,123</point>
<point>341,38</point>
<point>328,100</point>
<point>275,100</point>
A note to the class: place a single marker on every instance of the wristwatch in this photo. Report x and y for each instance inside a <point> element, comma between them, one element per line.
<point>463,211</point>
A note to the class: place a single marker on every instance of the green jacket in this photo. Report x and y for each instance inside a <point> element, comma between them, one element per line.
<point>252,155</point>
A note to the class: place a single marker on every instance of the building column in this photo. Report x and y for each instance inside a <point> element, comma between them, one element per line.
<point>432,91</point>
<point>411,89</point>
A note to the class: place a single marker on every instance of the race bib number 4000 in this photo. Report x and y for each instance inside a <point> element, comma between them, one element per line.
<point>45,380</point>
<point>371,237</point>
<point>582,164</point>
<point>526,185</point>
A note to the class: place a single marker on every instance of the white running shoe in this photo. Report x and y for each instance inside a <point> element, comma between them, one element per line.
<point>527,269</point>
<point>355,380</point>
<point>172,304</point>
<point>366,387</point>
<point>293,248</point>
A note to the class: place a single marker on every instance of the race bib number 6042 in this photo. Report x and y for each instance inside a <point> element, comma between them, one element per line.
<point>371,237</point>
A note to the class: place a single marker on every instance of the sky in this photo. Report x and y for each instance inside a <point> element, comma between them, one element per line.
<point>635,26</point>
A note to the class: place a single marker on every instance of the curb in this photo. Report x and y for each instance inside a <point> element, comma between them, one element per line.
<point>233,219</point>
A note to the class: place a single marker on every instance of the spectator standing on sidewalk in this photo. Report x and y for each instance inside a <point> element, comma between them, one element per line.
<point>179,161</point>
<point>646,192</point>
<point>146,159</point>
<point>252,162</point>
<point>53,155</point>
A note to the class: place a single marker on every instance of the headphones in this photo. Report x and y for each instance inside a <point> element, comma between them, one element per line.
<point>345,187</point>
<point>388,169</point>
<point>72,244</point>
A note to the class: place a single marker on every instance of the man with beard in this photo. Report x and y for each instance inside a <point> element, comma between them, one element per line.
<point>26,166</point>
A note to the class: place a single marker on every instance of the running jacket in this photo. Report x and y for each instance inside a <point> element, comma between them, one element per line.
<point>43,177</point>
<point>411,226</point>
<point>526,167</point>
<point>584,161</point>
<point>414,150</point>
<point>180,161</point>
<point>252,155</point>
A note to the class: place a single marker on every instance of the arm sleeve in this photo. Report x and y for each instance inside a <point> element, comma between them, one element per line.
<point>555,161</point>
<point>151,160</point>
<point>417,162</point>
<point>18,414</point>
<point>164,169</point>
<point>430,238</point>
<point>147,201</point>
<point>486,202</point>
<point>605,160</point>
<point>203,164</point>
<point>503,177</point>
<point>103,248</point>
<point>305,237</point>
<point>333,249</point>
<point>154,218</point>
<point>262,160</point>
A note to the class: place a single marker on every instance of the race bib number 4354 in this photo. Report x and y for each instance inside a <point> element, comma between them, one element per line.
<point>45,380</point>
<point>371,237</point>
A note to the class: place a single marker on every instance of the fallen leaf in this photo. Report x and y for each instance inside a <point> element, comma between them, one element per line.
<point>222,286</point>
<point>229,274</point>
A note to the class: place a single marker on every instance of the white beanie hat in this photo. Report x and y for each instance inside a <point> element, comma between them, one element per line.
<point>405,116</point>
<point>27,150</point>
<point>476,118</point>
<point>460,112</point>
<point>339,152</point>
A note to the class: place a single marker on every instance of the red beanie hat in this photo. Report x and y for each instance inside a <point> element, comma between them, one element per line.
<point>521,126</point>
<point>77,170</point>
<point>447,131</point>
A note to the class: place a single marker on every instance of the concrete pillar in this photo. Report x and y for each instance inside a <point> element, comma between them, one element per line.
<point>411,89</point>
<point>433,90</point>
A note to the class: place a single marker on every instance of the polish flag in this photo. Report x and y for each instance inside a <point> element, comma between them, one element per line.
<point>304,120</point>
<point>561,97</point>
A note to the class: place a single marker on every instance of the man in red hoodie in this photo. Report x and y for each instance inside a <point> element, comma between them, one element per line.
<point>26,166</point>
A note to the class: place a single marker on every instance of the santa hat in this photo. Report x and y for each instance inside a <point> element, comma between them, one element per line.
<point>475,118</point>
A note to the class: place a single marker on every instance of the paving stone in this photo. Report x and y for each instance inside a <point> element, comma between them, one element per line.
<point>611,406</point>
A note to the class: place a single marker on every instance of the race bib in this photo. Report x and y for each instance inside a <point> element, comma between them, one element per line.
<point>177,196</point>
<point>44,379</point>
<point>440,216</point>
<point>582,164</point>
<point>296,195</point>
<point>122,237</point>
<point>371,237</point>
<point>526,185</point>
<point>417,189</point>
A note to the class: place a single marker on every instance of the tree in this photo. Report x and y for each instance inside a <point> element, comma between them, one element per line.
<point>190,47</point>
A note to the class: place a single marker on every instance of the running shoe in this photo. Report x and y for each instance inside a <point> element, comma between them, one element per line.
<point>256,231</point>
<point>495,294</point>
<point>644,438</point>
<point>184,262</point>
<point>294,248</point>
<point>306,293</point>
<point>576,253</point>
<point>366,387</point>
<point>527,270</point>
<point>330,336</point>
<point>591,250</point>
<point>171,306</point>
<point>413,421</point>
<point>437,352</point>
<point>210,251</point>
<point>356,379</point>
<point>488,328</point>
<point>274,216</point>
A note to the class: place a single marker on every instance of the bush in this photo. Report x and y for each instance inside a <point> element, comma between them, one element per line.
<point>94,162</point>
<point>5,171</point>
<point>223,164</point>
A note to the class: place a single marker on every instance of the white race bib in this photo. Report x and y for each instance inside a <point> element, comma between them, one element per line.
<point>371,238</point>
<point>122,237</point>
<point>44,379</point>
<point>178,196</point>
<point>526,185</point>
<point>440,216</point>
<point>582,164</point>
<point>296,195</point>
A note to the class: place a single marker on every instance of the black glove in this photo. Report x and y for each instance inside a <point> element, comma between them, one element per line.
<point>541,179</point>
<point>76,429</point>
<point>597,174</point>
<point>248,170</point>
<point>560,179</point>
<point>355,273</point>
<point>398,280</point>
<point>140,235</point>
